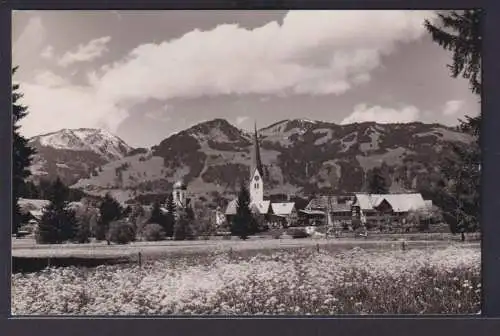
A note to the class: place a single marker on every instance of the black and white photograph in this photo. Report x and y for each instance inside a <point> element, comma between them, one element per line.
<point>246,162</point>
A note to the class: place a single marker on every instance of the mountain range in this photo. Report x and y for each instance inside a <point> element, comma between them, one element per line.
<point>300,158</point>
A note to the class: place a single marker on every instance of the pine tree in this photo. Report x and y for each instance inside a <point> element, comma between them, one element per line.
<point>242,222</point>
<point>21,155</point>
<point>158,217</point>
<point>170,220</point>
<point>156,214</point>
<point>460,189</point>
<point>58,223</point>
<point>110,210</point>
<point>460,33</point>
<point>377,183</point>
<point>183,228</point>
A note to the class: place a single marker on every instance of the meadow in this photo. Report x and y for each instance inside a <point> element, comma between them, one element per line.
<point>302,281</point>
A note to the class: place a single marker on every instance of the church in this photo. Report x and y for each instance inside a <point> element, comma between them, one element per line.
<point>274,214</point>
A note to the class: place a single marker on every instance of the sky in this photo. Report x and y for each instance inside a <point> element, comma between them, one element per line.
<point>144,75</point>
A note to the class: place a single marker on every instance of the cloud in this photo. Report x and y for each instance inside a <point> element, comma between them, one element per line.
<point>29,41</point>
<point>48,52</point>
<point>49,79</point>
<point>159,115</point>
<point>453,106</point>
<point>53,106</point>
<point>311,52</point>
<point>382,115</point>
<point>86,52</point>
<point>241,120</point>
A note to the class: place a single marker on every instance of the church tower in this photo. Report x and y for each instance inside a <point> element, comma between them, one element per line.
<point>256,173</point>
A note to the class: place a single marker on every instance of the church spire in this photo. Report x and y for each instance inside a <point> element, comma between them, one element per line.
<point>257,163</point>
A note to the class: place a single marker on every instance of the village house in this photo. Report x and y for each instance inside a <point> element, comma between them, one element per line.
<point>333,210</point>
<point>375,208</point>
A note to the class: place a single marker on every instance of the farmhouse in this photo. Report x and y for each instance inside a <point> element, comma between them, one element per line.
<point>283,214</point>
<point>337,207</point>
<point>395,206</point>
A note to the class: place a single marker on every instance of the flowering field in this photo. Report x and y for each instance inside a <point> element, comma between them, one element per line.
<point>418,281</point>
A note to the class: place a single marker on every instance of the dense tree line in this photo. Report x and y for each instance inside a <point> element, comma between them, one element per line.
<point>458,193</point>
<point>21,154</point>
<point>42,190</point>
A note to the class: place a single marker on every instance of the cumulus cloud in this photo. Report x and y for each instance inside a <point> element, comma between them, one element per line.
<point>86,52</point>
<point>311,52</point>
<point>29,41</point>
<point>159,115</point>
<point>53,107</point>
<point>452,107</point>
<point>382,115</point>
<point>49,79</point>
<point>240,120</point>
<point>48,52</point>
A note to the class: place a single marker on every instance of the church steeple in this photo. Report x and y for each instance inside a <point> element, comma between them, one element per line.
<point>256,163</point>
<point>256,173</point>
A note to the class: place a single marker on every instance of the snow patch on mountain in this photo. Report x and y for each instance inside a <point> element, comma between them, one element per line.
<point>86,139</point>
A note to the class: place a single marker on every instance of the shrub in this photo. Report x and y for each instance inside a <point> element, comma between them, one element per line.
<point>276,234</point>
<point>120,232</point>
<point>183,227</point>
<point>153,232</point>
<point>297,233</point>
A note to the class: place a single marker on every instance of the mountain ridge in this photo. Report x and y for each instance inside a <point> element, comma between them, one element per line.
<point>301,157</point>
<point>73,153</point>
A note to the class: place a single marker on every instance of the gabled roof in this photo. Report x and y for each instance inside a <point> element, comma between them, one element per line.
<point>313,212</point>
<point>366,201</point>
<point>340,207</point>
<point>398,202</point>
<point>37,214</point>
<point>27,204</point>
<point>231,207</point>
<point>262,207</point>
<point>406,202</point>
<point>285,208</point>
<point>324,202</point>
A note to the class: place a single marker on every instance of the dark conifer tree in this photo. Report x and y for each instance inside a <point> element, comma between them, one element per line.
<point>182,228</point>
<point>459,31</point>
<point>170,220</point>
<point>242,222</point>
<point>110,210</point>
<point>21,155</point>
<point>377,183</point>
<point>58,223</point>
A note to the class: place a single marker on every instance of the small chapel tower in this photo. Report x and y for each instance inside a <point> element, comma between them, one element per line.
<point>256,173</point>
<point>179,194</point>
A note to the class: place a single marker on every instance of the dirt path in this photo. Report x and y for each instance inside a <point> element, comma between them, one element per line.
<point>157,249</point>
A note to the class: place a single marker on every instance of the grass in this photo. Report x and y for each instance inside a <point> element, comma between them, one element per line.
<point>288,282</point>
